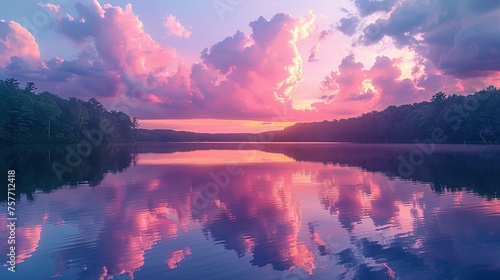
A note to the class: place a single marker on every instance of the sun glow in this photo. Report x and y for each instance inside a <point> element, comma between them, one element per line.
<point>215,125</point>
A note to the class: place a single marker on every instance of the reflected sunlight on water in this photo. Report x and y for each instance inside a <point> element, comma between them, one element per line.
<point>212,157</point>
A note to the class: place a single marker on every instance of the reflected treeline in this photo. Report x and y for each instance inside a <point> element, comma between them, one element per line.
<point>447,167</point>
<point>34,165</point>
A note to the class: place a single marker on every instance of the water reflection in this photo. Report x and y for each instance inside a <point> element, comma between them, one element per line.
<point>34,164</point>
<point>259,213</point>
<point>276,219</point>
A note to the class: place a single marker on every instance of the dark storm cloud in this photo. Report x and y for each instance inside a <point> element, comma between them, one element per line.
<point>404,22</point>
<point>461,38</point>
<point>474,51</point>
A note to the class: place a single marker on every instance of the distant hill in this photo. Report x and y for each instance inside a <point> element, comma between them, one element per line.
<point>168,135</point>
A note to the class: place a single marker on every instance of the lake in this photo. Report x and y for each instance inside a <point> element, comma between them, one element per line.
<point>254,211</point>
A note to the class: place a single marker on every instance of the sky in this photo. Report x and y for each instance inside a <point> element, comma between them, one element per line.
<point>250,66</point>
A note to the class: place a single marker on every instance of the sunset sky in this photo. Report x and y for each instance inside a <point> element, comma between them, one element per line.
<point>249,66</point>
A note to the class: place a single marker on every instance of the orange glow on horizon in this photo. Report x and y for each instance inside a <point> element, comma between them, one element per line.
<point>214,125</point>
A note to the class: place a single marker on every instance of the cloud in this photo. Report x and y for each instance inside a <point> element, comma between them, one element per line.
<point>250,75</point>
<point>128,54</point>
<point>16,41</point>
<point>368,7</point>
<point>241,77</point>
<point>117,57</point>
<point>348,79</point>
<point>369,89</point>
<point>460,38</point>
<point>54,9</point>
<point>323,35</point>
<point>475,50</point>
<point>174,27</point>
<point>348,25</point>
<point>385,78</point>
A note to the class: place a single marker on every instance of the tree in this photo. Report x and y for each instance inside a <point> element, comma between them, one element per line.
<point>438,97</point>
<point>30,87</point>
<point>12,84</point>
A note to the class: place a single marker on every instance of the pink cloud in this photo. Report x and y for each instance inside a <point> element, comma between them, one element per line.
<point>353,89</point>
<point>343,87</point>
<point>16,41</point>
<point>385,76</point>
<point>54,9</point>
<point>174,27</point>
<point>242,76</point>
<point>347,81</point>
<point>122,47</point>
<point>245,76</point>
<point>257,73</point>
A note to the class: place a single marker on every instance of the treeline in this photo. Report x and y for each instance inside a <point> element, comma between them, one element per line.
<point>167,135</point>
<point>451,119</point>
<point>30,117</point>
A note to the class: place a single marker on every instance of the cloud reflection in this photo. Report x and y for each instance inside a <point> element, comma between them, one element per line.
<point>279,214</point>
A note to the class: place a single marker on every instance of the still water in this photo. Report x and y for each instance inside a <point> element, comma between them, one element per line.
<point>255,211</point>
